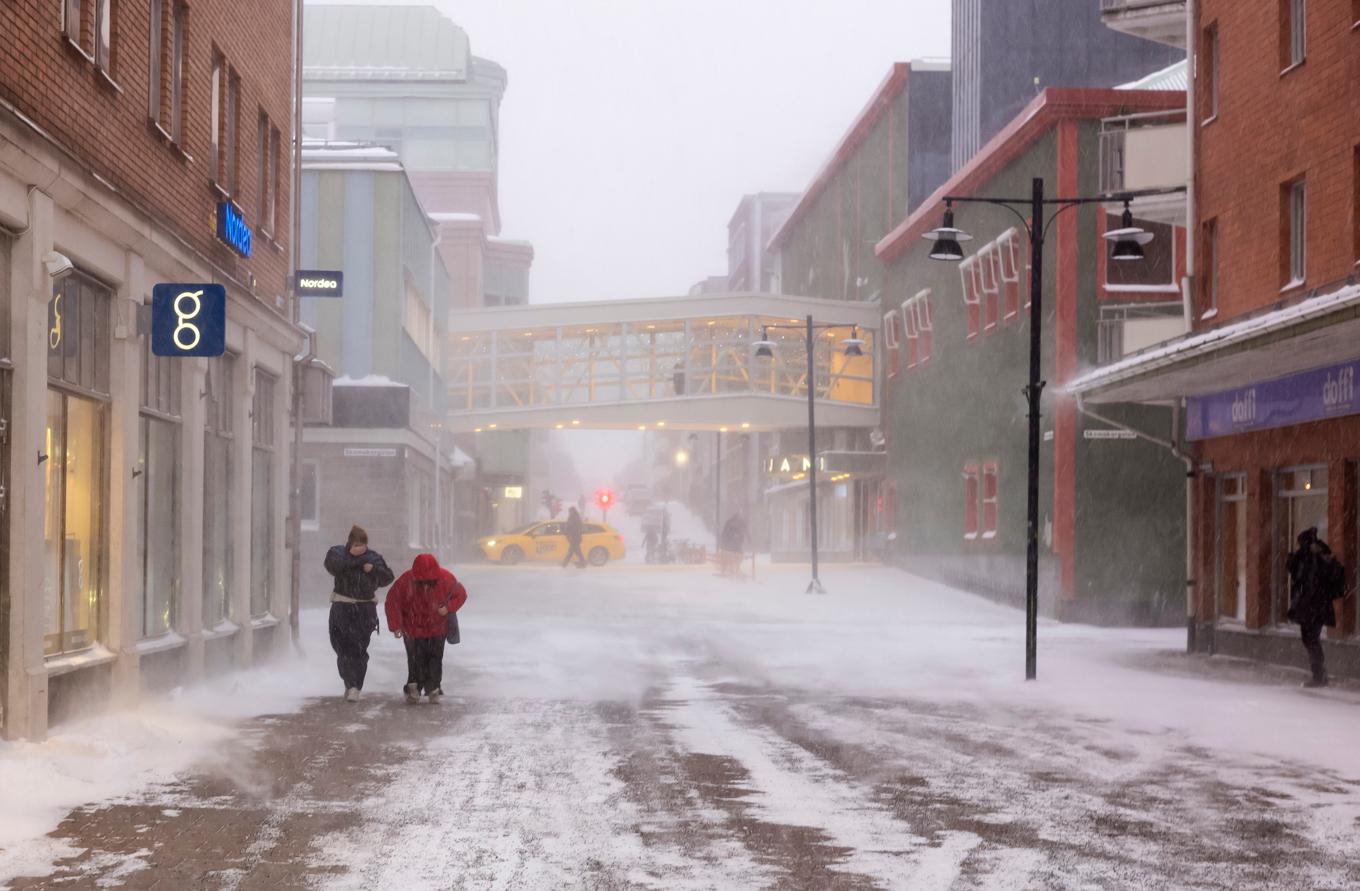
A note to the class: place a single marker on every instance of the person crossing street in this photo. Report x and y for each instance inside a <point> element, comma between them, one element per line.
<point>574,529</point>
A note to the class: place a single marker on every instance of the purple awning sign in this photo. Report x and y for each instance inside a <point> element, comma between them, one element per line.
<point>1307,396</point>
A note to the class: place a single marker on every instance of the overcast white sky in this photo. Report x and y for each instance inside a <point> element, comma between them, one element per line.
<point>631,128</point>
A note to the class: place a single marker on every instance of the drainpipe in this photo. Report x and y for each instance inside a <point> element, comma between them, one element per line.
<point>1176,446</point>
<point>300,362</point>
<point>1191,129</point>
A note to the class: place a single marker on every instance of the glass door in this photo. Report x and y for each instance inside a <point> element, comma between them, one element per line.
<point>73,522</point>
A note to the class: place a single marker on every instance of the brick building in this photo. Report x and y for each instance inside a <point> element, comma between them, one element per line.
<point>1266,375</point>
<point>153,492</point>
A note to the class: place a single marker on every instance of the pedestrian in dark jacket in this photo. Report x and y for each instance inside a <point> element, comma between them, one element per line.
<point>359,573</point>
<point>732,541</point>
<point>1315,580</point>
<point>574,529</point>
<point>418,609</point>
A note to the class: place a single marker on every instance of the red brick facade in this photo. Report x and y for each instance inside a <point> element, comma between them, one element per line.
<point>1274,124</point>
<point>106,124</point>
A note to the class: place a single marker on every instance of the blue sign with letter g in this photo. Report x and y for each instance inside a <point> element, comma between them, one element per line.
<point>188,320</point>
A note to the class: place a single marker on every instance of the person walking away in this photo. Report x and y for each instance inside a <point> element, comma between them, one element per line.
<point>649,540</point>
<point>1316,579</point>
<point>359,572</point>
<point>418,609</point>
<point>574,529</point>
<point>733,541</point>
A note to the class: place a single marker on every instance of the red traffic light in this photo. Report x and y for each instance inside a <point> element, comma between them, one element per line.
<point>604,498</point>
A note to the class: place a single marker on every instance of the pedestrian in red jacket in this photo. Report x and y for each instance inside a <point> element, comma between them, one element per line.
<point>418,609</point>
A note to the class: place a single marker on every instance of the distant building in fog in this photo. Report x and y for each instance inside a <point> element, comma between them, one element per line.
<point>1006,52</point>
<point>750,266</point>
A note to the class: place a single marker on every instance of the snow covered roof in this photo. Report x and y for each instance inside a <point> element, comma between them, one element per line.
<point>374,42</point>
<point>1312,332</point>
<point>1173,77</point>
<point>322,155</point>
<point>454,217</point>
<point>368,380</point>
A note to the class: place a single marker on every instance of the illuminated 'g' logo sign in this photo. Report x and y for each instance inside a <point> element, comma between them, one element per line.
<point>188,320</point>
<point>183,317</point>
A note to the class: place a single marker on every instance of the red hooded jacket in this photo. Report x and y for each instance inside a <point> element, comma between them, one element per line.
<point>413,602</point>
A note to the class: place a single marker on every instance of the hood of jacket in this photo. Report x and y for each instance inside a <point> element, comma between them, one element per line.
<point>425,568</point>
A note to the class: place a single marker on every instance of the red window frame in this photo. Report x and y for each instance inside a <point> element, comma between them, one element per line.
<point>971,492</point>
<point>990,492</point>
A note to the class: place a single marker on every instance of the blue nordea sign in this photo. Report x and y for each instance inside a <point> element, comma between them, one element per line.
<point>188,320</point>
<point>232,228</point>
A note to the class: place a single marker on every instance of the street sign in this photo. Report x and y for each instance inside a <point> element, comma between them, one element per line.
<point>319,283</point>
<point>188,320</point>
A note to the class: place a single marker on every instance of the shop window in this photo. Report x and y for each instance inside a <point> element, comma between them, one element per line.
<point>74,486</point>
<point>157,492</point>
<point>1302,496</point>
<point>989,499</point>
<point>218,476</point>
<point>1231,547</point>
<point>262,442</point>
<point>971,491</point>
<point>73,460</point>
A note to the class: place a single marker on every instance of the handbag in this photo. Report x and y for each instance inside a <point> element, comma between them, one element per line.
<point>452,635</point>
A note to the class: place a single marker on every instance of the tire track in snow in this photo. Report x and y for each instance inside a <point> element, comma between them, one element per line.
<point>791,786</point>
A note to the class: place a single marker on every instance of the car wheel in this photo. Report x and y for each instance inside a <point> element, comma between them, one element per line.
<point>511,555</point>
<point>598,556</point>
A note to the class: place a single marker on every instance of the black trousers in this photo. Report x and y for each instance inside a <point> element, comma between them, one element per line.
<point>1311,632</point>
<point>424,662</point>
<point>574,547</point>
<point>352,626</point>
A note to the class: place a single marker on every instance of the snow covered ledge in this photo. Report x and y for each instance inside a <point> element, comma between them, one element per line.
<point>1316,331</point>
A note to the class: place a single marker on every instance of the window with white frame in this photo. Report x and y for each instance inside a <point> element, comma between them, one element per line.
<point>920,329</point>
<point>1293,33</point>
<point>892,341</point>
<point>1209,259</point>
<point>1208,71</point>
<point>1295,252</point>
<point>1009,255</point>
<point>309,495</point>
<point>971,491</point>
<point>972,291</point>
<point>989,499</point>
<point>165,70</point>
<point>989,274</point>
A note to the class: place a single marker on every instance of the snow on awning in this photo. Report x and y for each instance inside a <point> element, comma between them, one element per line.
<point>1317,331</point>
<point>368,380</point>
<point>460,458</point>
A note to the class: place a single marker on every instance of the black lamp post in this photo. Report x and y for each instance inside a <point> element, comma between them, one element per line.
<point>764,349</point>
<point>1128,241</point>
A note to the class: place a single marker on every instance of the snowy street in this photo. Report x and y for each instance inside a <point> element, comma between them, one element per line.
<point>659,727</point>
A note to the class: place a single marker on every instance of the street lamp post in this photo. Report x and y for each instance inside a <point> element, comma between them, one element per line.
<point>1128,241</point>
<point>765,350</point>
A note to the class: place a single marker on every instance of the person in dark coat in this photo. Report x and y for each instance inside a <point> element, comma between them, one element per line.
<point>732,541</point>
<point>1316,579</point>
<point>574,529</point>
<point>359,573</point>
<point>418,609</point>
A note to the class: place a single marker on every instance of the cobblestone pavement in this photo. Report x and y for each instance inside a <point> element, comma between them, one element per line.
<point>711,777</point>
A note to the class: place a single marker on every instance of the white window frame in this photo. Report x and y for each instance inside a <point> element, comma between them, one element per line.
<point>1298,33</point>
<point>991,468</point>
<point>1010,255</point>
<point>1210,259</point>
<point>103,36</point>
<point>153,65</point>
<point>1298,234</point>
<point>1211,76</point>
<point>178,12</point>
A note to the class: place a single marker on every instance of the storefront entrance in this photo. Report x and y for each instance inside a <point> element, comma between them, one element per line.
<point>1302,504</point>
<point>1232,547</point>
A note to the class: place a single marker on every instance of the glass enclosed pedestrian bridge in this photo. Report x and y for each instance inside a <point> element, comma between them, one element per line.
<point>679,362</point>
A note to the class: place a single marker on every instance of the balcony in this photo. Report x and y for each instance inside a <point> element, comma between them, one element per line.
<point>1159,20</point>
<point>1146,151</point>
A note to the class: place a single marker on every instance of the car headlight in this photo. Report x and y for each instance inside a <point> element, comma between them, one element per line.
<point>491,542</point>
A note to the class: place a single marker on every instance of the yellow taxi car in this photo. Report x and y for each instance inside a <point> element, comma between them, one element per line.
<point>545,541</point>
